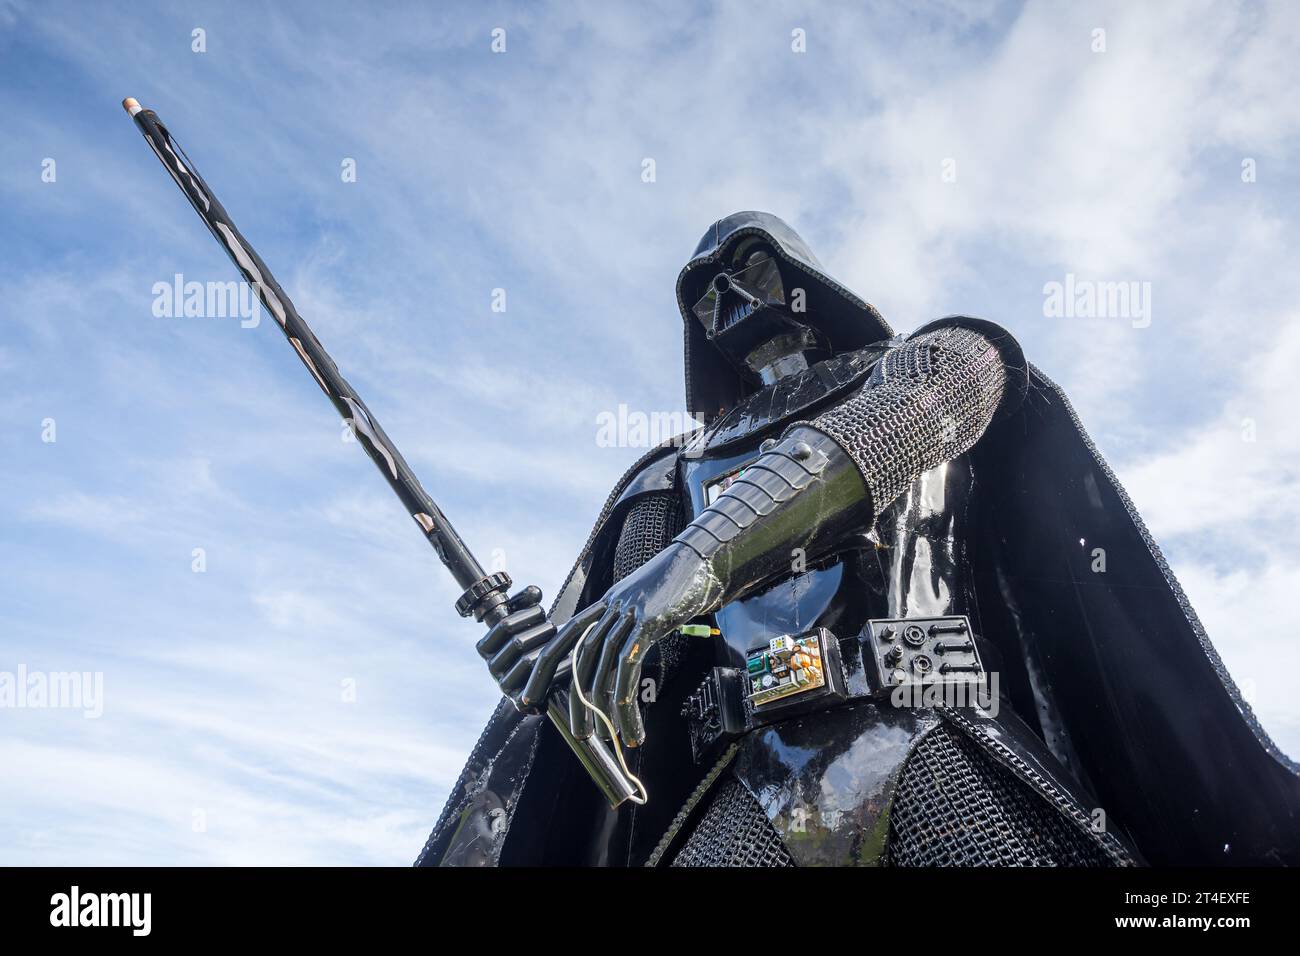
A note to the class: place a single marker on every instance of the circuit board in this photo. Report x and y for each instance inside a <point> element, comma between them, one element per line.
<point>787,666</point>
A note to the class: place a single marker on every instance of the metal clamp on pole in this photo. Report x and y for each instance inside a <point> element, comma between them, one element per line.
<point>477,597</point>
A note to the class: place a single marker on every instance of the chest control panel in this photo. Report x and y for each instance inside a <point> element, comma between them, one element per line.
<point>923,651</point>
<point>799,673</point>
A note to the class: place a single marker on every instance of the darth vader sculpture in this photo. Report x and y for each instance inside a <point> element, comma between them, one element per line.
<point>857,619</point>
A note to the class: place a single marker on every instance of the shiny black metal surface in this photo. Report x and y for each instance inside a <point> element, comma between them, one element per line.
<point>825,780</point>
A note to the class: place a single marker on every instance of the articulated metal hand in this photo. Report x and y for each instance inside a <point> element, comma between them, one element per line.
<point>509,646</point>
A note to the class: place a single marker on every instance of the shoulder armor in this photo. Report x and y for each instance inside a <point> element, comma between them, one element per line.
<point>1013,359</point>
<point>659,474</point>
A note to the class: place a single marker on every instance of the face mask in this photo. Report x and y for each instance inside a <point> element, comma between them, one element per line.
<point>734,296</point>
<point>744,309</point>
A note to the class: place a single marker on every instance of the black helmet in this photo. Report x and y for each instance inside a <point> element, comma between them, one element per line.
<point>750,277</point>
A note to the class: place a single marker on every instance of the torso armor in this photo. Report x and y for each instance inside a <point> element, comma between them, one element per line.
<point>856,781</point>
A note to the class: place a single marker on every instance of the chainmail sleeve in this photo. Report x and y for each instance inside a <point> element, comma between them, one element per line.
<point>928,401</point>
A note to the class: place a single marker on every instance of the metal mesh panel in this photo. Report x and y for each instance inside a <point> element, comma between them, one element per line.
<point>927,401</point>
<point>651,522</point>
<point>734,831</point>
<point>956,806</point>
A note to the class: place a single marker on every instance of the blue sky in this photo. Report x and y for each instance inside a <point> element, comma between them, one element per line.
<point>225,735</point>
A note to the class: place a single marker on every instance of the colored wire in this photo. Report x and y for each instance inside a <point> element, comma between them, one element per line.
<point>613,734</point>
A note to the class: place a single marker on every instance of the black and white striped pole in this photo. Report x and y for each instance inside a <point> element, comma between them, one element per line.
<point>484,594</point>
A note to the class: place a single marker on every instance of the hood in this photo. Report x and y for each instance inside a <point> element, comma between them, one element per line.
<point>849,322</point>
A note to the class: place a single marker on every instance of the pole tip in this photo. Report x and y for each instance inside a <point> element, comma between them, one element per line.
<point>131,105</point>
